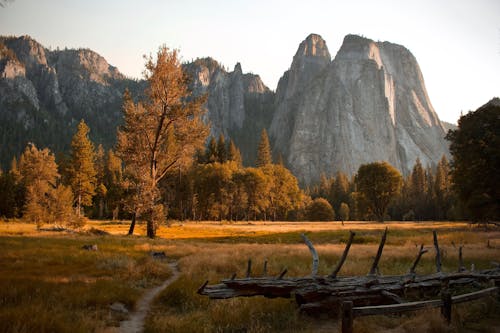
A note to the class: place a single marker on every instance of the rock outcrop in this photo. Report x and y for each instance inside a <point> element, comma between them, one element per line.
<point>239,105</point>
<point>44,94</point>
<point>368,104</point>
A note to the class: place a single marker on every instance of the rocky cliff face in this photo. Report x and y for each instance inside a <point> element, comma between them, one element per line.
<point>368,104</point>
<point>44,94</point>
<point>239,105</point>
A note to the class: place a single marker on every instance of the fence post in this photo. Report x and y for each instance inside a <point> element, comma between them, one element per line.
<point>347,317</point>
<point>446,308</point>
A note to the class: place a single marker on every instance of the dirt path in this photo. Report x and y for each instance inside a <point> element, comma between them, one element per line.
<point>135,323</point>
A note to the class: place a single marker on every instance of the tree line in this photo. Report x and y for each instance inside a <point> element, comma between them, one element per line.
<point>163,167</point>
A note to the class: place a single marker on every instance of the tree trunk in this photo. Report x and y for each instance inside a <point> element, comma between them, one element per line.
<point>132,224</point>
<point>151,232</point>
<point>79,206</point>
<point>101,208</point>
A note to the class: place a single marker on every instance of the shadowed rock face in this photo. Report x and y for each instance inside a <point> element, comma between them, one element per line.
<point>44,94</point>
<point>239,105</point>
<point>368,104</point>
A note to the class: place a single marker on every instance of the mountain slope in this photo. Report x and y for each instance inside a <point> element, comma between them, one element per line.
<point>45,93</point>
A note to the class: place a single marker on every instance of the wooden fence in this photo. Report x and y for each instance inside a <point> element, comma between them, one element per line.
<point>349,312</point>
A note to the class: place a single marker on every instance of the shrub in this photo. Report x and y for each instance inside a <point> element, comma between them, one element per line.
<point>320,210</point>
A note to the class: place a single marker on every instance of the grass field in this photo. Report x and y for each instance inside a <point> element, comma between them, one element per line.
<point>50,284</point>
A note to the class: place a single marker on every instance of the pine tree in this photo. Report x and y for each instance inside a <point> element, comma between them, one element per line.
<point>234,153</point>
<point>442,189</point>
<point>82,168</point>
<point>211,151</point>
<point>418,189</point>
<point>264,154</point>
<point>221,149</point>
<point>113,181</point>
<point>45,201</point>
<point>101,190</point>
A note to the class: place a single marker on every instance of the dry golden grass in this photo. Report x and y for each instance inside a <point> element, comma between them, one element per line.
<point>54,286</point>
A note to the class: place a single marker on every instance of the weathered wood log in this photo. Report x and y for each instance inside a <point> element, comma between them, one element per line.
<point>314,254</point>
<point>249,268</point>
<point>313,289</point>
<point>282,273</point>
<point>344,255</point>
<point>373,270</point>
<point>461,266</point>
<point>419,255</point>
<point>438,252</point>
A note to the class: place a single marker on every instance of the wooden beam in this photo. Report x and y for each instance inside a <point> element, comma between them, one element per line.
<point>395,308</point>
<point>446,308</point>
<point>249,267</point>
<point>475,295</point>
<point>373,270</point>
<point>347,317</point>
<point>314,254</point>
<point>461,266</point>
<point>344,255</point>
<point>438,252</point>
<point>419,255</point>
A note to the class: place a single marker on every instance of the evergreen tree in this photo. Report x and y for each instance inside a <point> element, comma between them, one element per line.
<point>264,154</point>
<point>7,195</point>
<point>443,196</point>
<point>211,155</point>
<point>113,179</point>
<point>221,149</point>
<point>45,201</point>
<point>475,147</point>
<point>101,190</point>
<point>340,191</point>
<point>234,153</point>
<point>418,187</point>
<point>82,168</point>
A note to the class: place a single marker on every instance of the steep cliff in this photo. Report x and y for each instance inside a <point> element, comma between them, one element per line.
<point>368,104</point>
<point>44,94</point>
<point>239,105</point>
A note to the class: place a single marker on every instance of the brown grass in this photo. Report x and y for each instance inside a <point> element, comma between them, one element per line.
<point>54,286</point>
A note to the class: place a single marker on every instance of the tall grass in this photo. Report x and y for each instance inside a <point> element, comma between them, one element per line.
<point>49,284</point>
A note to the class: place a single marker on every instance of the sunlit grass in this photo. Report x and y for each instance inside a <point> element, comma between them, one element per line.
<point>55,286</point>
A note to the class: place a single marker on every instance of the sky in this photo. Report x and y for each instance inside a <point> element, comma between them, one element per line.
<point>456,42</point>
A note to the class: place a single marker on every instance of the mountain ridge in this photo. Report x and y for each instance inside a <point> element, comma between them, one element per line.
<point>367,103</point>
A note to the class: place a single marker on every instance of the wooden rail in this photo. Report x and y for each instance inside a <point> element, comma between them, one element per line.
<point>349,312</point>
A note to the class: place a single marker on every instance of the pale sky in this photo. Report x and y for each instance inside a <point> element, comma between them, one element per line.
<point>456,42</point>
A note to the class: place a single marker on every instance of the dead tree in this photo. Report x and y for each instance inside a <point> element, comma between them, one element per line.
<point>325,294</point>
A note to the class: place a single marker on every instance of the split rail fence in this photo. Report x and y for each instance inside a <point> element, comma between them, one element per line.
<point>349,313</point>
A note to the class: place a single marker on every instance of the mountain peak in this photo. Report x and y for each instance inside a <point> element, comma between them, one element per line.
<point>313,46</point>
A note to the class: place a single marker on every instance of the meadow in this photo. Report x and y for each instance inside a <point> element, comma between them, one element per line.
<point>50,284</point>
